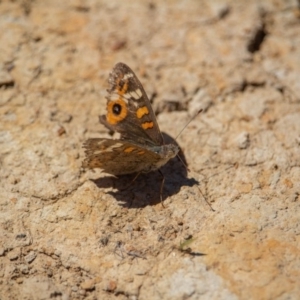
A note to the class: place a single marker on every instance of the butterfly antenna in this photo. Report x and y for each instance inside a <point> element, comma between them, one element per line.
<point>186,167</point>
<point>199,111</point>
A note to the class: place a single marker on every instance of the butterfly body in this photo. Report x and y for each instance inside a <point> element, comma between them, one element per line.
<point>141,148</point>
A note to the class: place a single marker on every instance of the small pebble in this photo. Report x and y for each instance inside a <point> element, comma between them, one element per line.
<point>13,255</point>
<point>24,269</point>
<point>243,140</point>
<point>88,285</point>
<point>30,257</point>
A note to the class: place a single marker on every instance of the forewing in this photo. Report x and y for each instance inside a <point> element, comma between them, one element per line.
<point>129,110</point>
<point>117,157</point>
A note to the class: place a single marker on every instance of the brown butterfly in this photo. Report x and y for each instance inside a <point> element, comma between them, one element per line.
<point>141,147</point>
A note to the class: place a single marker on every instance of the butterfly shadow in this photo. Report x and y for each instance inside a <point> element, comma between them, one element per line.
<point>145,189</point>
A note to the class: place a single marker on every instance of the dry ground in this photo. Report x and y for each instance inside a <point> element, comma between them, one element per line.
<point>66,233</point>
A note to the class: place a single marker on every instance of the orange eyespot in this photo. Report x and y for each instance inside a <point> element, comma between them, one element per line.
<point>116,111</point>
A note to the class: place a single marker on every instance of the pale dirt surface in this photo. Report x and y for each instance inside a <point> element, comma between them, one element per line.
<point>66,233</point>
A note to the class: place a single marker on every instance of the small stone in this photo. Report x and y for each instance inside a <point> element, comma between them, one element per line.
<point>180,222</point>
<point>30,257</point>
<point>74,288</point>
<point>243,140</point>
<point>24,269</point>
<point>19,280</point>
<point>13,255</point>
<point>88,285</point>
<point>188,236</point>
<point>57,253</point>
<point>113,214</point>
<point>111,286</point>
<point>21,236</point>
<point>61,131</point>
<point>5,79</point>
<point>185,196</point>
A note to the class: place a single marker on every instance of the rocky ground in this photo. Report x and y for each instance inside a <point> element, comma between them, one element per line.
<point>68,233</point>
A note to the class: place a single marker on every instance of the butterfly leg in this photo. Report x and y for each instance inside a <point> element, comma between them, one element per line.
<point>161,187</point>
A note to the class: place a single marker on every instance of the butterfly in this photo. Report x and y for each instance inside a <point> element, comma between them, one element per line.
<point>141,147</point>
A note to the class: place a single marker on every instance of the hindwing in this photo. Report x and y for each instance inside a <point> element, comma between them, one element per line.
<point>118,157</point>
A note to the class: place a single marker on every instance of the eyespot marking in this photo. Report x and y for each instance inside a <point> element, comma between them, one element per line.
<point>116,111</point>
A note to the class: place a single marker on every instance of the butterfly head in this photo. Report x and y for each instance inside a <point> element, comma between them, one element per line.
<point>166,152</point>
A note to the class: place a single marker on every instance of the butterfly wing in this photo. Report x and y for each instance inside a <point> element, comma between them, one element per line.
<point>118,157</point>
<point>129,110</point>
